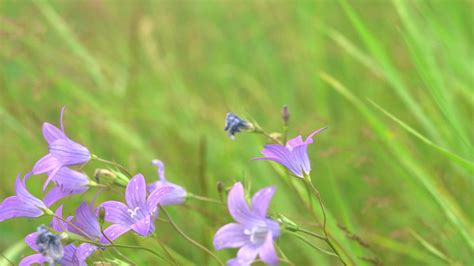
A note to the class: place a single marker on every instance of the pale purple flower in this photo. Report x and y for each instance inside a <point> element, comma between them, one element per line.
<point>23,204</point>
<point>254,232</point>
<point>85,223</point>
<point>293,156</point>
<point>139,212</point>
<point>48,245</point>
<point>175,197</point>
<point>62,152</point>
<point>68,182</point>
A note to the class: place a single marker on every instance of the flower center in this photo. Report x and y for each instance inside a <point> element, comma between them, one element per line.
<point>257,234</point>
<point>133,212</point>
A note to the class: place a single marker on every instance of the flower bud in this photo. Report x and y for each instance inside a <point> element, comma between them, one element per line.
<point>101,216</point>
<point>285,114</point>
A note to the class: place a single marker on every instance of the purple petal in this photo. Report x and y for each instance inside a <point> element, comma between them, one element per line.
<point>69,254</point>
<point>283,156</point>
<point>157,196</point>
<point>25,196</point>
<point>13,207</point>
<point>144,226</point>
<point>46,164</point>
<point>33,259</point>
<point>246,255</point>
<point>267,251</point>
<point>116,212</point>
<point>274,228</point>
<point>135,193</point>
<point>69,179</point>
<point>83,252</point>
<point>58,224</point>
<point>69,152</point>
<point>52,133</point>
<point>309,139</point>
<point>230,236</point>
<point>294,142</point>
<point>61,118</point>
<point>161,169</point>
<point>86,220</point>
<point>113,232</point>
<point>300,156</point>
<point>261,201</point>
<point>30,240</point>
<point>238,207</point>
<point>56,194</point>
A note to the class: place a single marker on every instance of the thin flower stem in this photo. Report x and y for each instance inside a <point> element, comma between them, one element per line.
<point>123,169</point>
<point>73,225</point>
<point>166,251</point>
<point>115,249</point>
<point>311,233</point>
<point>205,199</point>
<point>124,246</point>
<point>284,258</point>
<point>192,241</point>
<point>302,238</point>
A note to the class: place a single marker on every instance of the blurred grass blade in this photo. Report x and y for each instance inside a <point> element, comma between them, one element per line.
<point>437,192</point>
<point>430,248</point>
<point>401,248</point>
<point>12,253</point>
<point>468,165</point>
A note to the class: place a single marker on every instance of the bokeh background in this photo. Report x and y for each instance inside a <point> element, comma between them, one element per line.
<point>154,79</point>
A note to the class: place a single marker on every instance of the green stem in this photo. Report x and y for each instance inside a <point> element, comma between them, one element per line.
<point>124,246</point>
<point>192,241</point>
<point>313,245</point>
<point>311,233</point>
<point>123,169</point>
<point>205,199</point>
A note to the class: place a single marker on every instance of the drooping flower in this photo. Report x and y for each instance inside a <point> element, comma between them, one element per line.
<point>68,182</point>
<point>139,212</point>
<point>62,152</point>
<point>293,156</point>
<point>254,232</point>
<point>234,124</point>
<point>23,204</point>
<point>175,197</point>
<point>84,223</point>
<point>48,245</point>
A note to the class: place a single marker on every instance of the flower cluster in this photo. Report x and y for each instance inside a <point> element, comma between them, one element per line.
<point>253,232</point>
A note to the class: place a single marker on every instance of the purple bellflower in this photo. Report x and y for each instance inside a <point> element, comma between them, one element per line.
<point>293,156</point>
<point>68,182</point>
<point>254,232</point>
<point>139,212</point>
<point>85,223</point>
<point>175,197</point>
<point>62,152</point>
<point>23,204</point>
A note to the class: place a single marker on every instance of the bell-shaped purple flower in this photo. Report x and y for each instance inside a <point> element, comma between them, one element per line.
<point>293,156</point>
<point>68,182</point>
<point>254,232</point>
<point>85,223</point>
<point>23,204</point>
<point>62,152</point>
<point>139,211</point>
<point>175,197</point>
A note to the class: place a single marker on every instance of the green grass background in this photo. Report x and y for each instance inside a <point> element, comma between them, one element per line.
<point>154,79</point>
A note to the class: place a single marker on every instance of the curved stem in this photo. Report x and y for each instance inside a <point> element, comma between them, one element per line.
<point>123,169</point>
<point>313,245</point>
<point>311,233</point>
<point>192,241</point>
<point>124,246</point>
<point>205,199</point>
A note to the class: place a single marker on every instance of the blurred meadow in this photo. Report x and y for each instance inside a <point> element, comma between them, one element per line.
<point>393,81</point>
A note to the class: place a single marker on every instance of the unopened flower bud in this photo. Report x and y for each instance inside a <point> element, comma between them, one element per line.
<point>287,223</point>
<point>101,216</point>
<point>285,114</point>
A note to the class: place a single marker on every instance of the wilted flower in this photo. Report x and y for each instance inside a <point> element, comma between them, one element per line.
<point>62,152</point>
<point>174,197</point>
<point>234,124</point>
<point>68,182</point>
<point>48,246</point>
<point>253,233</point>
<point>23,204</point>
<point>139,212</point>
<point>293,156</point>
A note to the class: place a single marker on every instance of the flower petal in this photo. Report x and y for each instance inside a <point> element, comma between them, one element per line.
<point>30,240</point>
<point>13,207</point>
<point>144,226</point>
<point>238,207</point>
<point>135,193</point>
<point>274,228</point>
<point>309,139</point>
<point>261,200</point>
<point>291,143</point>
<point>69,152</point>
<point>69,179</point>
<point>46,164</point>
<point>33,259</point>
<point>161,169</point>
<point>230,236</point>
<point>83,252</point>
<point>58,224</point>
<point>113,232</point>
<point>69,253</point>
<point>283,156</point>
<point>157,196</point>
<point>267,251</point>
<point>52,133</point>
<point>116,212</point>
<point>25,196</point>
<point>86,220</point>
<point>246,255</point>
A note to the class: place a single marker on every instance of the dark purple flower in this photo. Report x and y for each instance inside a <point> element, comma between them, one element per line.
<point>68,182</point>
<point>62,152</point>
<point>48,246</point>
<point>139,212</point>
<point>175,197</point>
<point>254,232</point>
<point>23,204</point>
<point>234,124</point>
<point>293,156</point>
